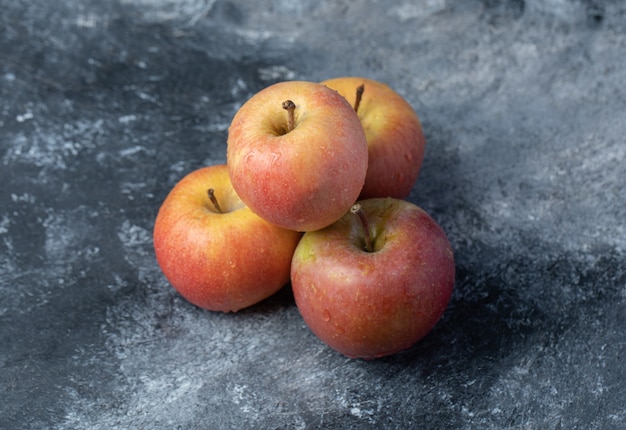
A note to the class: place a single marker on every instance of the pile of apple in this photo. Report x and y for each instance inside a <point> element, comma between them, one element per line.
<point>313,193</point>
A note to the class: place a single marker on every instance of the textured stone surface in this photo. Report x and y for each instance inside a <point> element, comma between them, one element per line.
<point>106,104</point>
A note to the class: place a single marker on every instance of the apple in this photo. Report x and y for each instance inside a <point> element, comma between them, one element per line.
<point>394,135</point>
<point>376,281</point>
<point>297,155</point>
<point>213,250</point>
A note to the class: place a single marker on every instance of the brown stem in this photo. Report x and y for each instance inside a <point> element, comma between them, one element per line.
<point>290,107</point>
<point>213,199</point>
<point>356,209</point>
<point>359,96</point>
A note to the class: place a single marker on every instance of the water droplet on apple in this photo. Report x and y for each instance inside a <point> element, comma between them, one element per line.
<point>232,264</point>
<point>411,293</point>
<point>326,315</point>
<point>408,156</point>
<point>275,157</point>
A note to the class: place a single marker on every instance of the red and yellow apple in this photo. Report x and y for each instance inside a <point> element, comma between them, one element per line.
<point>376,281</point>
<point>213,250</point>
<point>297,155</point>
<point>394,135</point>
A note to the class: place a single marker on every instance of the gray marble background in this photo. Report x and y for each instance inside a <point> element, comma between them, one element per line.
<point>104,105</point>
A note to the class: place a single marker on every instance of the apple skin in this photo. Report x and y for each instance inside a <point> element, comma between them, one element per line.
<point>394,136</point>
<point>306,178</point>
<point>373,304</point>
<point>219,261</point>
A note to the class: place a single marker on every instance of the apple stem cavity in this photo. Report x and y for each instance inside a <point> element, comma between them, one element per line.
<point>214,201</point>
<point>356,209</point>
<point>290,107</point>
<point>359,96</point>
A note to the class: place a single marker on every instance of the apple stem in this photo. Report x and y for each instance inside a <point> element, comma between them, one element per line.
<point>359,96</point>
<point>290,107</point>
<point>356,209</point>
<point>213,199</point>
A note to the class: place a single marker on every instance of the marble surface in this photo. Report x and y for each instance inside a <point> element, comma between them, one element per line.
<point>106,104</point>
